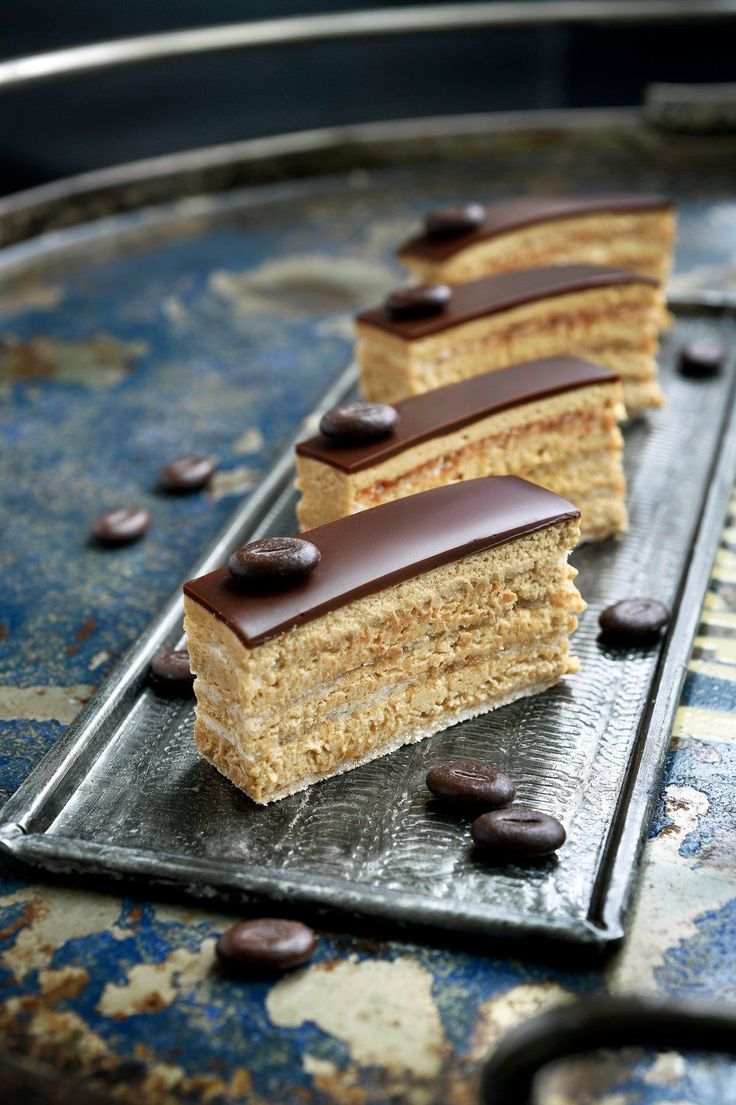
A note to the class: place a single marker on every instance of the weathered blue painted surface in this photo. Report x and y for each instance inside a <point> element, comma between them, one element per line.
<point>216,331</point>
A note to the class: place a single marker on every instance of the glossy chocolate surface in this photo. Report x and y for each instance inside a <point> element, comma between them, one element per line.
<point>443,410</point>
<point>378,548</point>
<point>500,292</point>
<point>515,214</point>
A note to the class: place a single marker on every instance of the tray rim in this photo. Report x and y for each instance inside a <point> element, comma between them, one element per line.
<point>233,166</point>
<point>33,803</point>
<point>357,24</point>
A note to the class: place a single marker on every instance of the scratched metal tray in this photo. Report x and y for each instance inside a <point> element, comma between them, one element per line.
<point>124,793</point>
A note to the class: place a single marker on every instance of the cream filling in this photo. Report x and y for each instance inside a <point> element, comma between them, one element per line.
<point>410,736</point>
<point>544,600</point>
<point>253,726</point>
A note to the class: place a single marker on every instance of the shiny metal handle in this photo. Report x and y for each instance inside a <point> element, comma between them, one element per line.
<point>605,1022</point>
<point>354,24</point>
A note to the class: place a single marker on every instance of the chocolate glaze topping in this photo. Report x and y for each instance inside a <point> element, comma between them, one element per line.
<point>450,408</point>
<point>378,548</point>
<point>509,215</point>
<point>500,292</point>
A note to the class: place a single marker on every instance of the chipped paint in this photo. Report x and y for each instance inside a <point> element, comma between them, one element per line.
<point>674,891</point>
<point>54,916</point>
<point>173,308</point>
<point>338,1084</point>
<point>44,703</point>
<point>596,1082</point>
<point>714,670</point>
<point>150,987</point>
<point>383,1010</point>
<point>232,481</point>
<point>61,1038</point>
<point>64,982</point>
<point>666,1070</point>
<point>30,295</point>
<point>336,326</point>
<point>250,441</point>
<point>722,649</point>
<point>97,362</point>
<point>500,1014</point>
<point>303,284</point>
<point>697,722</point>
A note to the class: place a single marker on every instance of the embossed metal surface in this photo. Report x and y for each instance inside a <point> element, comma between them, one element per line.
<point>131,796</point>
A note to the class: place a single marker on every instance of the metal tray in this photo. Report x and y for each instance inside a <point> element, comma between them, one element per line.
<point>124,792</point>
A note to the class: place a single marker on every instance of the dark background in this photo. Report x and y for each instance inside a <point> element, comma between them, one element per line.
<point>72,125</point>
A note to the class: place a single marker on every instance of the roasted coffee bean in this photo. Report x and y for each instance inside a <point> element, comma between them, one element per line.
<point>359,422</point>
<point>702,357</point>
<point>633,621</point>
<point>186,474</point>
<point>266,944</point>
<point>170,671</point>
<point>517,833</point>
<point>419,301</point>
<point>471,783</point>
<point>451,222</point>
<point>121,526</point>
<point>273,561</point>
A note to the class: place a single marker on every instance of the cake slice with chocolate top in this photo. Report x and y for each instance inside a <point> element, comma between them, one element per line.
<point>553,422</point>
<point>623,230</point>
<point>316,654</point>
<point>426,336</point>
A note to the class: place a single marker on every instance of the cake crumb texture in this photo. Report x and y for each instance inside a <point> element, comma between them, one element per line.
<point>387,669</point>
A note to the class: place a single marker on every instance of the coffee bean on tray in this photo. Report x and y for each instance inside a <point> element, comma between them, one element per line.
<point>264,945</point>
<point>170,671</point>
<point>702,357</point>
<point>359,422</point>
<point>517,833</point>
<point>274,561</point>
<point>451,222</point>
<point>418,301</point>
<point>186,474</point>
<point>471,783</point>
<point>121,526</point>
<point>633,621</point>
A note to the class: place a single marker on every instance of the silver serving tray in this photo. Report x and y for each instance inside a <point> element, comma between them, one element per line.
<point>124,793</point>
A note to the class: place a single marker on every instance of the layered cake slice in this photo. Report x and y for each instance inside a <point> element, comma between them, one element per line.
<point>553,421</point>
<point>316,654</point>
<point>426,336</point>
<point>634,232</point>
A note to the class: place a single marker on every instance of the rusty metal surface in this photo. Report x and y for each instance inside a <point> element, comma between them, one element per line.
<point>109,799</point>
<point>116,353</point>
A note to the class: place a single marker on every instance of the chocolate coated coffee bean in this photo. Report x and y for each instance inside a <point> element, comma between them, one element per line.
<point>517,833</point>
<point>266,944</point>
<point>471,783</point>
<point>451,222</point>
<point>186,474</point>
<point>632,621</point>
<point>702,357</point>
<point>170,671</point>
<point>418,302</point>
<point>359,422</point>
<point>121,526</point>
<point>273,561</point>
